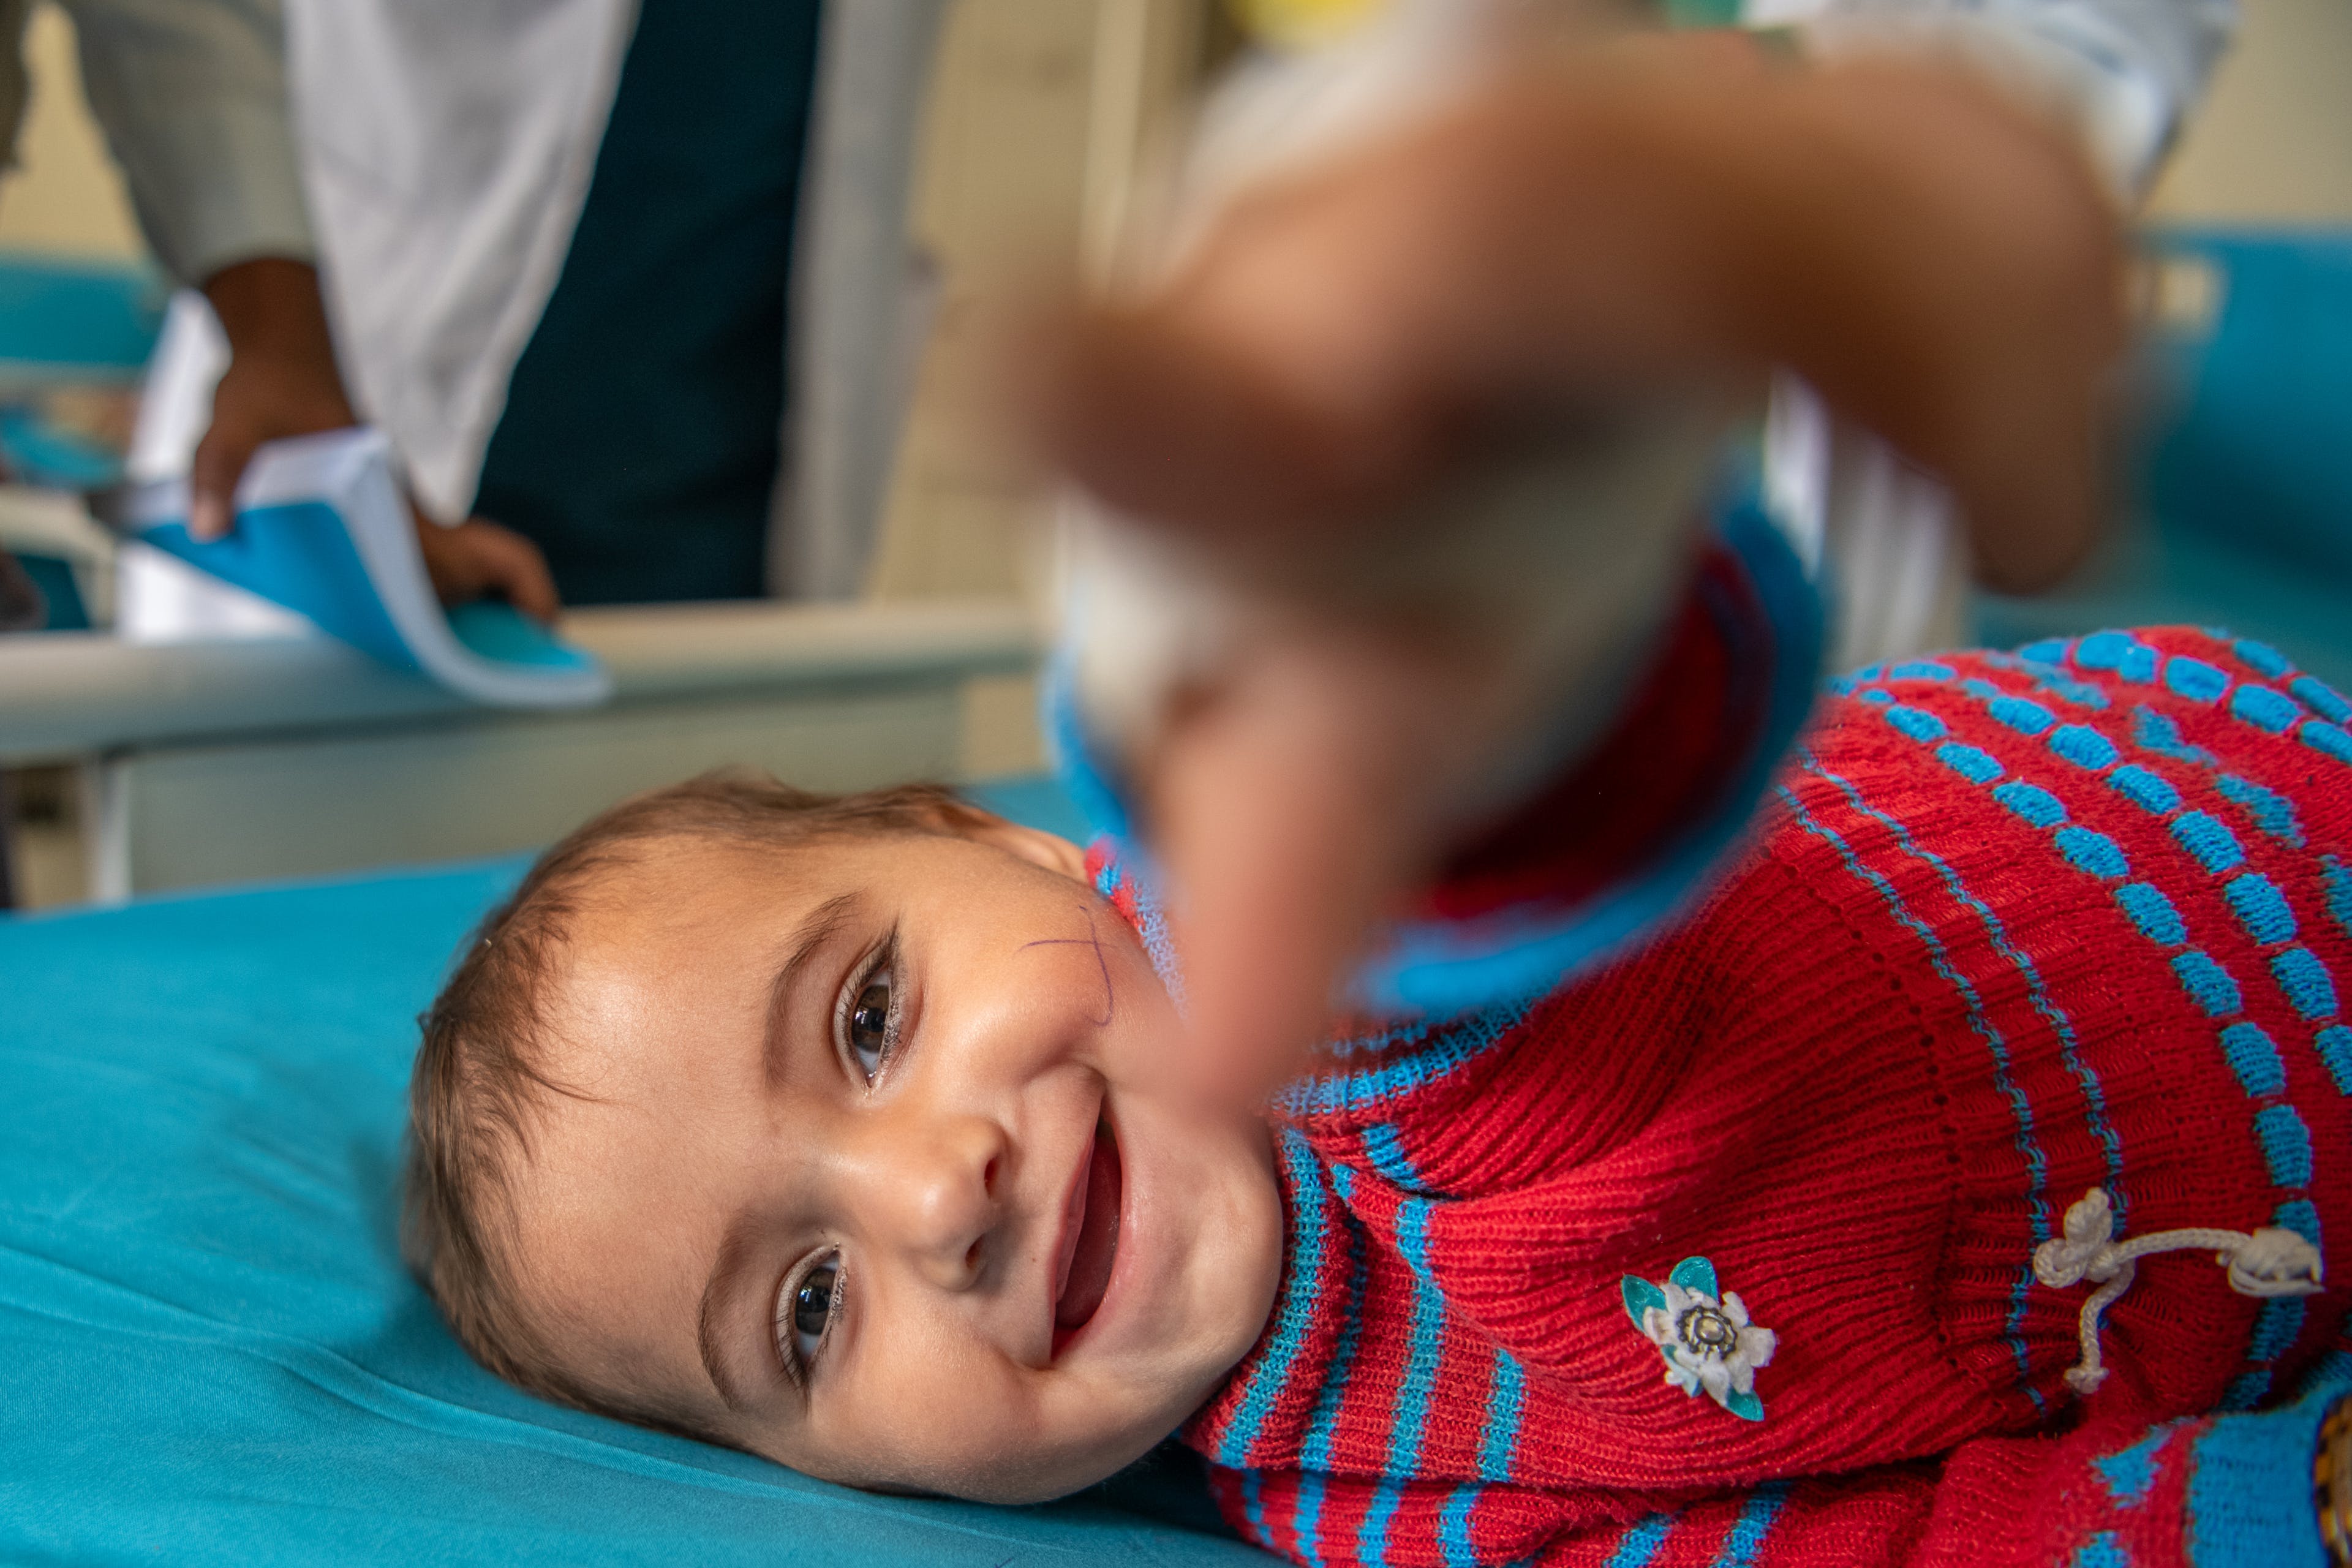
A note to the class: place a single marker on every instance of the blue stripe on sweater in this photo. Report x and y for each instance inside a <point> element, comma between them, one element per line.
<point>1302,1290</point>
<point>1454,1525</point>
<point>1755,1523</point>
<point>1452,1048</point>
<point>2339,890</point>
<point>2036,1164</point>
<point>1315,1453</point>
<point>1407,1425</point>
<point>1372,1534</point>
<point>1506,1396</point>
<point>2249,1502</point>
<point>2104,1550</point>
<point>1640,1541</point>
<point>1385,1150</point>
<point>2094,1097</point>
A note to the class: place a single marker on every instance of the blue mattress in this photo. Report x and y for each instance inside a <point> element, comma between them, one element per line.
<point>209,1352</point>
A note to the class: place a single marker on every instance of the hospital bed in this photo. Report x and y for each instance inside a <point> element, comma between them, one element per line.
<point>211,1351</point>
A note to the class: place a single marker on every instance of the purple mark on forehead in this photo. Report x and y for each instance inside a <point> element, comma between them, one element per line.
<point>1092,942</point>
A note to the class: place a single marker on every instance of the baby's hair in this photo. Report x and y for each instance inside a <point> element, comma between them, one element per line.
<point>479,1071</point>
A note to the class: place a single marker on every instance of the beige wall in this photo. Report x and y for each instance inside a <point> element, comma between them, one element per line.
<point>64,197</point>
<point>2274,141</point>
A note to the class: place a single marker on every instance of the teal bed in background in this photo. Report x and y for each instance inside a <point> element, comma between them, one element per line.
<point>209,1353</point>
<point>2240,490</point>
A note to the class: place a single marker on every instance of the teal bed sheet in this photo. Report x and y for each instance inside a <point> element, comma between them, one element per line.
<point>209,1352</point>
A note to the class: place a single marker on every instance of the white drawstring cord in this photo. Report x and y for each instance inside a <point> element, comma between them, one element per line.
<point>2268,1262</point>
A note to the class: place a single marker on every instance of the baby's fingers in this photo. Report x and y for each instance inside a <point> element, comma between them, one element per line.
<point>1280,818</point>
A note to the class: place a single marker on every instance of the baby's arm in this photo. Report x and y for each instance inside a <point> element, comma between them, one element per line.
<point>1668,218</point>
<point>2217,1491</point>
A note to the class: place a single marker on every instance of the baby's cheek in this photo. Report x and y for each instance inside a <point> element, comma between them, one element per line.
<point>941,1416</point>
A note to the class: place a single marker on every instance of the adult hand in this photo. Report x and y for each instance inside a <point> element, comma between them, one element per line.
<point>1674,214</point>
<point>282,381</point>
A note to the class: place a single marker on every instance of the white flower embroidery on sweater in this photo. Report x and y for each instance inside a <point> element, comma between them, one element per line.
<point>1709,1344</point>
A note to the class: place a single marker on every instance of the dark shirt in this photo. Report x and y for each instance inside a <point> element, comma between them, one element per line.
<point>639,443</point>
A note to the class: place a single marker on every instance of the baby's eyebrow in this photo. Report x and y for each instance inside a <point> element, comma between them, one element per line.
<point>734,1257</point>
<point>821,924</point>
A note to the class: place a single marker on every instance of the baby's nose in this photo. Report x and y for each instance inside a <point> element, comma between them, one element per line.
<point>943,1182</point>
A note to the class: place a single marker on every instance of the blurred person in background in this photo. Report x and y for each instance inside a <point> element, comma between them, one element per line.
<point>192,96</point>
<point>550,250</point>
<point>570,250</point>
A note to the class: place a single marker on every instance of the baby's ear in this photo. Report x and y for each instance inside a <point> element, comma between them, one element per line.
<point>1035,844</point>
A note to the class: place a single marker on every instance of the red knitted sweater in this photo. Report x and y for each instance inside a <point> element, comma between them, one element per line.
<point>2010,928</point>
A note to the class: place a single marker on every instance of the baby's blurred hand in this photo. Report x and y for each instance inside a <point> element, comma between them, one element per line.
<point>1668,220</point>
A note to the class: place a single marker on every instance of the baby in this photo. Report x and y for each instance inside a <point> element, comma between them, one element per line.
<point>1919,1141</point>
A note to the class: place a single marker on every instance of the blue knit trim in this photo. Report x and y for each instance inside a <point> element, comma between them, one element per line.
<point>2328,739</point>
<point>2260,908</point>
<point>1507,1392</point>
<point>1425,1342</point>
<point>1315,1452</point>
<point>2153,913</point>
<point>2322,699</point>
<point>1267,1374</point>
<point>2104,1550</point>
<point>2093,852</point>
<point>2270,811</point>
<point>2265,709</point>
<point>1754,1523</point>
<point>1971,762</point>
<point>2104,650</point>
<point>2286,1145</point>
<point>2194,678</point>
<point>2254,1057</point>
<point>1639,1543</point>
<point>2131,1472</point>
<point>2339,890</point>
<point>2209,984</point>
<point>1454,1525</point>
<point>2021,714</point>
<point>2261,658</point>
<point>1385,1150</point>
<point>2248,1500</point>
<point>2204,836</point>
<point>1372,1530</point>
<point>2161,733</point>
<point>2149,792</point>
<point>2031,802</point>
<point>2082,746</point>
<point>2308,986</point>
<point>1450,1048</point>
<point>2335,1044</point>
<point>1253,1503</point>
<point>1442,967</point>
<point>1915,722</point>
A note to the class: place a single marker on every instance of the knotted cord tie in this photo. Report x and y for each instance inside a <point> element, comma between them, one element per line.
<point>2268,1262</point>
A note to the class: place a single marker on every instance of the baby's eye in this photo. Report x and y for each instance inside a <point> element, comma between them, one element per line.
<point>806,1309</point>
<point>867,1028</point>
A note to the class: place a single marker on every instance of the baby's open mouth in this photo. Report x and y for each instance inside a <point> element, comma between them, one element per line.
<point>1086,1273</point>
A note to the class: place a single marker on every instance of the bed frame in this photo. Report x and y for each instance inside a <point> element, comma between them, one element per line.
<point>214,761</point>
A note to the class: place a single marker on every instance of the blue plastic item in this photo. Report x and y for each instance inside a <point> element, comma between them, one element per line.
<point>209,1352</point>
<point>71,321</point>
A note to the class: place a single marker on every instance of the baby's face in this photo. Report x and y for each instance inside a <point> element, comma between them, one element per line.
<point>876,1170</point>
